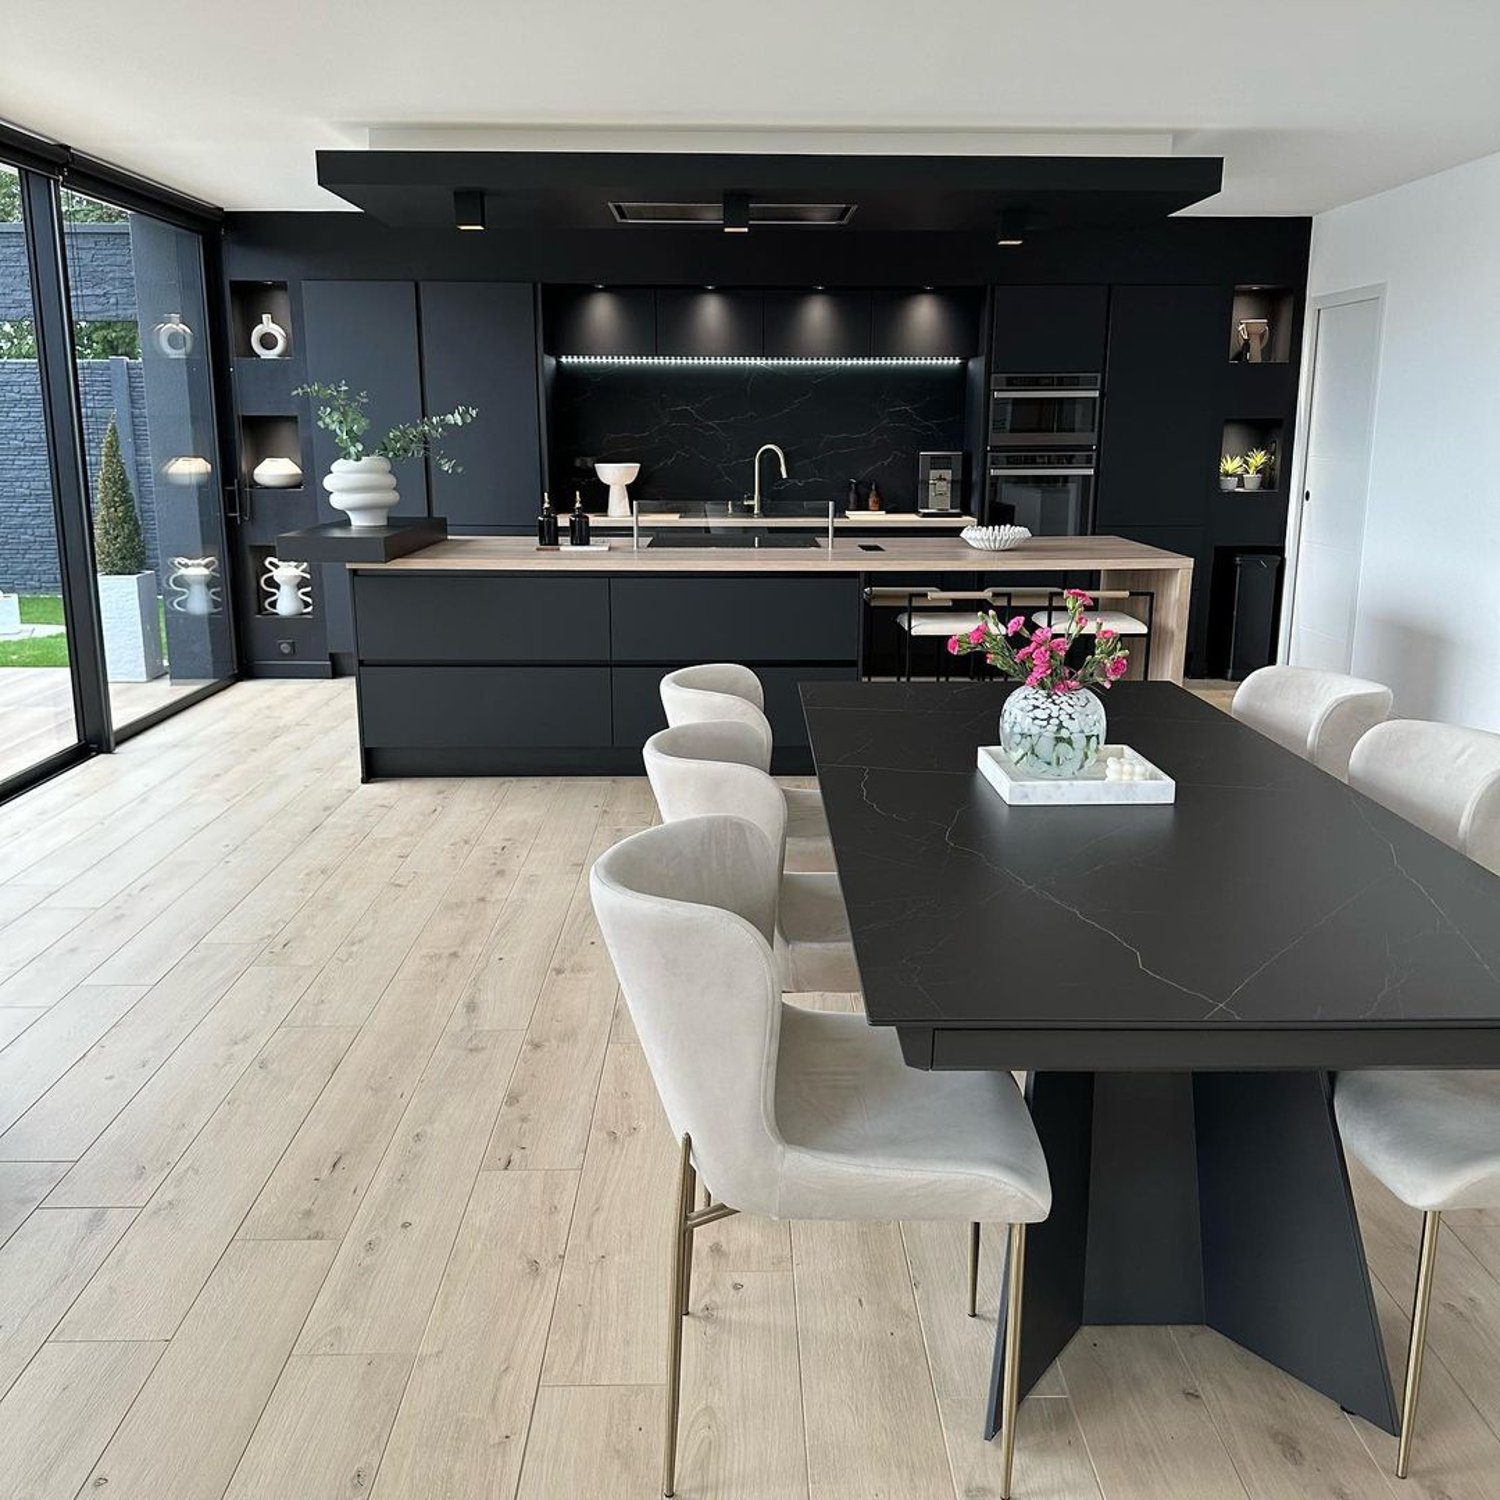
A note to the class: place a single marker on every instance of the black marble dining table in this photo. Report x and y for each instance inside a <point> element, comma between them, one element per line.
<point>1180,983</point>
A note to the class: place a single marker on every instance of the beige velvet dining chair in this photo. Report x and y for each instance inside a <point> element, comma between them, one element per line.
<point>726,690</point>
<point>791,1113</point>
<point>1431,1136</point>
<point>713,767</point>
<point>1317,715</point>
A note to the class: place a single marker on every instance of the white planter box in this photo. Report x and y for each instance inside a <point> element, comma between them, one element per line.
<point>10,612</point>
<point>132,631</point>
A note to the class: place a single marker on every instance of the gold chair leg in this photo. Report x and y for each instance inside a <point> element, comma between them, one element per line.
<point>1015,1284</point>
<point>973,1270</point>
<point>1426,1261</point>
<point>690,1207</point>
<point>679,1261</point>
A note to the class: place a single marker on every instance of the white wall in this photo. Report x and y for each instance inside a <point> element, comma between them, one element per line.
<point>1428,621</point>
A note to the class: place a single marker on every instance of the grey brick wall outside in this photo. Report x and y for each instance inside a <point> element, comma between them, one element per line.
<point>103,287</point>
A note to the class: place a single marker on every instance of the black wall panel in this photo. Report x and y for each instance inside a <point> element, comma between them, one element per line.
<point>1158,457</point>
<point>363,332</point>
<point>479,349</point>
<point>1042,330</point>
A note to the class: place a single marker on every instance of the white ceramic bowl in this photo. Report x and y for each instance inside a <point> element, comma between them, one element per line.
<point>618,473</point>
<point>995,538</point>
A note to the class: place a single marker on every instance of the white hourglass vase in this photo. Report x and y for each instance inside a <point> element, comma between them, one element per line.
<point>286,584</point>
<point>268,338</point>
<point>364,489</point>
<point>192,582</point>
<point>174,339</point>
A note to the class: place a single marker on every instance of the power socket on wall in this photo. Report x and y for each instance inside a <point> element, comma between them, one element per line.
<point>287,648</point>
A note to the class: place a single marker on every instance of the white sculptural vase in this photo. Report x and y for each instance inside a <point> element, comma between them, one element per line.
<point>193,582</point>
<point>617,477</point>
<point>286,586</point>
<point>364,489</point>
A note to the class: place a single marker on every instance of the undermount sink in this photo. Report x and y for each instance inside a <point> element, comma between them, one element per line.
<point>741,539</point>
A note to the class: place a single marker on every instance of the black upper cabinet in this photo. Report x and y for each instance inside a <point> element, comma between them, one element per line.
<point>1049,330</point>
<point>479,349</point>
<point>708,323</point>
<point>1159,451</point>
<point>925,323</point>
<point>600,321</point>
<point>817,325</point>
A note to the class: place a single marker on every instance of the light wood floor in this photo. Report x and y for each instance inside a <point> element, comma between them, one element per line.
<point>329,1167</point>
<point>36,711</point>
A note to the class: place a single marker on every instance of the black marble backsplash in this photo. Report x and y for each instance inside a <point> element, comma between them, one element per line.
<point>694,430</point>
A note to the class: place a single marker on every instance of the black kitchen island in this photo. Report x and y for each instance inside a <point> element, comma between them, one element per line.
<point>488,656</point>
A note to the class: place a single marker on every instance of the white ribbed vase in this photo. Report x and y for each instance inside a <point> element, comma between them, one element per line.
<point>364,489</point>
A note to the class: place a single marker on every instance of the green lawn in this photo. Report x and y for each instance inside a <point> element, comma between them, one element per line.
<point>44,651</point>
<point>49,650</point>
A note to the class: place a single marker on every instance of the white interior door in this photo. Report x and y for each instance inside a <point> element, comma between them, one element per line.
<point>1335,483</point>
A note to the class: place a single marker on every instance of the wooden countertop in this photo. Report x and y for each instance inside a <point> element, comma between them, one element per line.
<point>843,521</point>
<point>916,554</point>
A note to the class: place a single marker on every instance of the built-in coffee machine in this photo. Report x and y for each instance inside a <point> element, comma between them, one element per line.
<point>940,483</point>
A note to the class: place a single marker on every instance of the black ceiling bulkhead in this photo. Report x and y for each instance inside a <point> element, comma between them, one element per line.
<point>875,194</point>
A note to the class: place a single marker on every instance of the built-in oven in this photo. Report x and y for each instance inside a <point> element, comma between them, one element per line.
<point>1032,411</point>
<point>1050,491</point>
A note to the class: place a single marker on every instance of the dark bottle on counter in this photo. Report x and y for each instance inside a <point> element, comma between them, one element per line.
<point>875,501</point>
<point>852,501</point>
<point>578,522</point>
<point>546,523</point>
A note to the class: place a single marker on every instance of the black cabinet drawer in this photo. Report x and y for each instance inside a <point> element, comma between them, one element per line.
<point>735,619</point>
<point>638,711</point>
<point>817,325</point>
<point>470,708</point>
<point>458,618</point>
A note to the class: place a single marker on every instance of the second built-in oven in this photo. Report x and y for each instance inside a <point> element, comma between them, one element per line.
<point>1050,491</point>
<point>1035,411</point>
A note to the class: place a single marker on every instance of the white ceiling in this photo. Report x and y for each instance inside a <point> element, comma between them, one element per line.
<point>1312,103</point>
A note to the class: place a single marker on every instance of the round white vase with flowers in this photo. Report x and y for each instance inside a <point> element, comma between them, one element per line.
<point>1053,724</point>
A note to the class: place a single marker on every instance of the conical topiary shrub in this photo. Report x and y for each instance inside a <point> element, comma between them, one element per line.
<point>119,547</point>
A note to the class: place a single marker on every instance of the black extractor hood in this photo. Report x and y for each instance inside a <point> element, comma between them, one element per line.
<point>639,192</point>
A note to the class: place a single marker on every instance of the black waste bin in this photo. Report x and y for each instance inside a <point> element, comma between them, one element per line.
<point>1252,631</point>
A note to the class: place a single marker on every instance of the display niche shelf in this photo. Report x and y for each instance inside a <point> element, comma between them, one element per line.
<point>250,302</point>
<point>274,436</point>
<point>268,588</point>
<point>1261,325</point>
<point>1241,435</point>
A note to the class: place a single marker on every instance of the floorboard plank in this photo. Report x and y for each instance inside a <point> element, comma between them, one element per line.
<point>602,1441</point>
<point>383,1283</point>
<point>58,1416</point>
<point>43,1267</point>
<point>23,1185</point>
<point>144,1141</point>
<point>192,1217</point>
<point>324,1428</point>
<point>461,1430</point>
<point>186,1431</point>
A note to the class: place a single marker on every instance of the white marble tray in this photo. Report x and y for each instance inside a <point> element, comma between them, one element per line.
<point>1094,786</point>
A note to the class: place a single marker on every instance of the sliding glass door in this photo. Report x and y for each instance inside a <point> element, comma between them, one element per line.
<point>38,711</point>
<point>114,607</point>
<point>145,395</point>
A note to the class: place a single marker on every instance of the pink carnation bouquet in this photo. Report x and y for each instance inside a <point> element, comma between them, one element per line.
<point>1038,655</point>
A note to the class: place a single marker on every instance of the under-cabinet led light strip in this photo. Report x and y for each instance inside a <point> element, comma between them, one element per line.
<point>868,361</point>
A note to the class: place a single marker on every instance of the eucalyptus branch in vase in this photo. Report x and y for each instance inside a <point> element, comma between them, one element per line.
<point>361,483</point>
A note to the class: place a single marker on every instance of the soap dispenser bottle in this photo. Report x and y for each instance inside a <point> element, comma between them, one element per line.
<point>546,523</point>
<point>578,522</point>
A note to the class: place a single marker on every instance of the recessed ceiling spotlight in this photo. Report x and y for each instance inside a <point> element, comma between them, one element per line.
<point>1012,229</point>
<point>468,209</point>
<point>598,286</point>
<point>736,213</point>
<point>819,287</point>
<point>710,289</point>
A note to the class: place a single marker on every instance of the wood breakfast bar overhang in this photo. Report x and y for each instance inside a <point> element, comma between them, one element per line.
<point>490,656</point>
